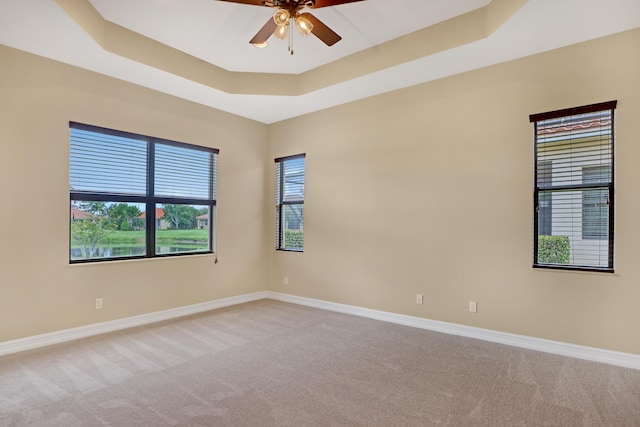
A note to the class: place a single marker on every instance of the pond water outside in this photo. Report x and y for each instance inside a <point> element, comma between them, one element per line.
<point>127,251</point>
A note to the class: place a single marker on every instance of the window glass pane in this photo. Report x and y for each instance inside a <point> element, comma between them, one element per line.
<point>293,227</point>
<point>545,206</point>
<point>107,230</point>
<point>595,214</point>
<point>571,143</point>
<point>183,172</point>
<point>582,243</point>
<point>545,214</point>
<point>182,228</point>
<point>293,182</point>
<point>105,163</point>
<point>596,174</point>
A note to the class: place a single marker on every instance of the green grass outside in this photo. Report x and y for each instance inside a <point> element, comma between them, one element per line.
<point>183,238</point>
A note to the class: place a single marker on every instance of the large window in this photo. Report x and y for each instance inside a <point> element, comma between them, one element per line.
<point>290,203</point>
<point>574,191</point>
<point>133,196</point>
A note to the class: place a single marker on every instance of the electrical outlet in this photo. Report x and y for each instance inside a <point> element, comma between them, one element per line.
<point>286,280</point>
<point>98,303</point>
<point>473,306</point>
<point>418,298</point>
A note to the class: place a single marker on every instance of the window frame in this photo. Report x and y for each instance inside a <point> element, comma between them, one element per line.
<point>610,187</point>
<point>281,204</point>
<point>149,199</point>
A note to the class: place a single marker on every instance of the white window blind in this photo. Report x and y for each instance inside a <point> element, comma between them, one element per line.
<point>104,162</point>
<point>184,172</point>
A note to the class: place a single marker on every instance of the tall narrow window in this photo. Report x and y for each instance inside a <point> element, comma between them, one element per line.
<point>290,203</point>
<point>134,196</point>
<point>574,191</point>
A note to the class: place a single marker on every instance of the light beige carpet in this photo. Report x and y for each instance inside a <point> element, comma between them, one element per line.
<point>275,364</point>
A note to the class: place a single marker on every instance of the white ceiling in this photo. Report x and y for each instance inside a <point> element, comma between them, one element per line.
<point>218,32</point>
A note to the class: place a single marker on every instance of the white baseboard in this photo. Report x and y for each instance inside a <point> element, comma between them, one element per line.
<point>28,343</point>
<point>626,360</point>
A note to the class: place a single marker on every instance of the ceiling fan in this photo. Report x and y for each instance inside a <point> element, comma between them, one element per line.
<point>289,11</point>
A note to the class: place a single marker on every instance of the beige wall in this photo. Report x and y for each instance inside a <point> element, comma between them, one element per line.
<point>424,190</point>
<point>429,190</point>
<point>39,291</point>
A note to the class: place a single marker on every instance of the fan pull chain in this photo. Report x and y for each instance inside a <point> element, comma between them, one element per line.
<point>291,25</point>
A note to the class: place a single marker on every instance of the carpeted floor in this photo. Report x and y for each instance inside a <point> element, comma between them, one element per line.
<point>275,364</point>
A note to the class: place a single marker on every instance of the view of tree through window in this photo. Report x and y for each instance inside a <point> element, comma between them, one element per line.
<point>574,192</point>
<point>134,196</point>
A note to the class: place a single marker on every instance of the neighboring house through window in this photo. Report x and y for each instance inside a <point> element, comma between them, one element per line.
<point>161,223</point>
<point>134,196</point>
<point>595,203</point>
<point>545,205</point>
<point>203,221</point>
<point>290,203</point>
<point>574,191</point>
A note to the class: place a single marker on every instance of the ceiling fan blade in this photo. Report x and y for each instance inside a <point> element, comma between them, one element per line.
<point>265,32</point>
<point>321,31</point>
<point>327,3</point>
<point>252,2</point>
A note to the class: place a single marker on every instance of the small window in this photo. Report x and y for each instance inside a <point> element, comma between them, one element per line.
<point>134,196</point>
<point>573,194</point>
<point>290,203</point>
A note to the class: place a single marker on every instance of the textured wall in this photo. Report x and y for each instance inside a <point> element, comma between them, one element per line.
<point>39,291</point>
<point>429,190</point>
<point>424,190</point>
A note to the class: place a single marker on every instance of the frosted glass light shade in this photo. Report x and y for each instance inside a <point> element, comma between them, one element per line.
<point>304,25</point>
<point>281,32</point>
<point>281,17</point>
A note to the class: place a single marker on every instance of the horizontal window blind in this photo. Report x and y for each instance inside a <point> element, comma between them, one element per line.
<point>184,172</point>
<point>573,196</point>
<point>105,163</point>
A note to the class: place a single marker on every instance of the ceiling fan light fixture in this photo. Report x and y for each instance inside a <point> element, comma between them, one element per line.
<point>281,32</point>
<point>287,11</point>
<point>261,45</point>
<point>281,17</point>
<point>304,25</point>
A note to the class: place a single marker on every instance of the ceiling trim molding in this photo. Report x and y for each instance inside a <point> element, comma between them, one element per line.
<point>466,28</point>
